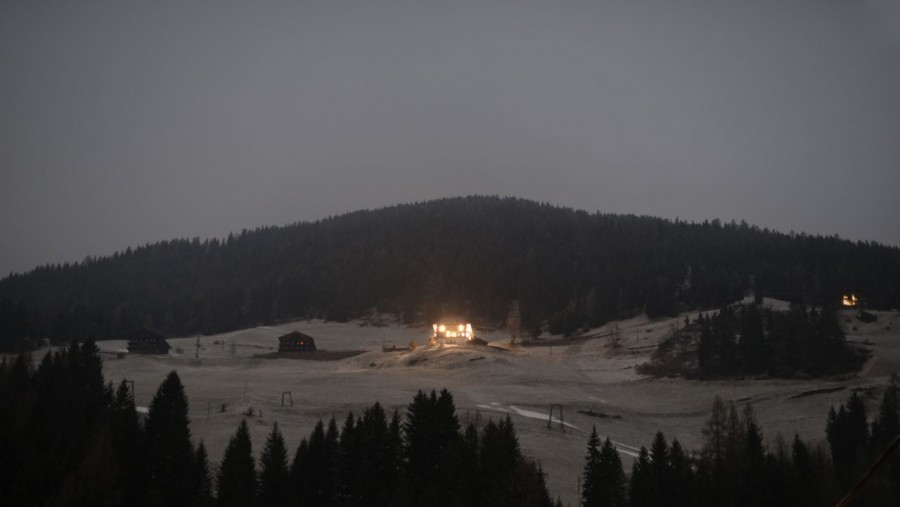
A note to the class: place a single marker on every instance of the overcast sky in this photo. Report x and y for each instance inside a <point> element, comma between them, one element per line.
<point>123,123</point>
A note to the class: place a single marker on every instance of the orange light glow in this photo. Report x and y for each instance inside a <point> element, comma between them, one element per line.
<point>849,300</point>
<point>452,330</point>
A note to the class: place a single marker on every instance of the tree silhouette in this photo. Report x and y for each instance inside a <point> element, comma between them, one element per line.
<point>170,455</point>
<point>237,472</point>
<point>274,474</point>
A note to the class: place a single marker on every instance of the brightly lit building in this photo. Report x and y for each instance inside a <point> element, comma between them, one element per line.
<point>451,331</point>
<point>849,300</point>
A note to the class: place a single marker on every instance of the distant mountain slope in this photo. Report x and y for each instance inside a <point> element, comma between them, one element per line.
<point>471,255</point>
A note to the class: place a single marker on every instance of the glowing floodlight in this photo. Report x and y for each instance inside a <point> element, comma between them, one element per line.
<point>849,300</point>
<point>449,331</point>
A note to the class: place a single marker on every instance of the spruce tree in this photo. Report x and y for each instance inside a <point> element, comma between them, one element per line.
<point>614,484</point>
<point>498,458</point>
<point>752,482</point>
<point>886,426</point>
<point>885,485</point>
<point>274,475</point>
<point>237,473</point>
<point>641,486</point>
<point>682,486</point>
<point>202,477</point>
<point>378,460</point>
<point>127,440</point>
<point>170,455</point>
<point>431,428</point>
<point>591,474</point>
<point>660,470</point>
<point>300,475</point>
<point>351,488</point>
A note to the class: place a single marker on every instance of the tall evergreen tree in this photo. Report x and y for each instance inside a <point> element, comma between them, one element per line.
<point>170,455</point>
<point>127,437</point>
<point>885,484</point>
<point>237,473</point>
<point>614,485</point>
<point>274,475</point>
<point>430,430</point>
<point>641,487</point>
<point>752,476</point>
<point>591,474</point>
<point>301,473</point>
<point>202,477</point>
<point>682,486</point>
<point>660,471</point>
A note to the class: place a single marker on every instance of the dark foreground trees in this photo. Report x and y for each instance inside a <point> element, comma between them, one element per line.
<point>735,469</point>
<point>68,439</point>
<point>603,478</point>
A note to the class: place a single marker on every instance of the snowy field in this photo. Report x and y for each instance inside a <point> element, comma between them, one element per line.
<point>584,375</point>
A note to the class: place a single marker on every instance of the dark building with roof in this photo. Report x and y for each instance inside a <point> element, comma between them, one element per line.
<point>144,341</point>
<point>296,342</point>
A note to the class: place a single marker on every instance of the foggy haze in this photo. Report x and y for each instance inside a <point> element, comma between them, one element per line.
<point>124,123</point>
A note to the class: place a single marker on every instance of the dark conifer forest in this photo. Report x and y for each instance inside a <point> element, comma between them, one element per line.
<point>751,339</point>
<point>68,438</point>
<point>472,256</point>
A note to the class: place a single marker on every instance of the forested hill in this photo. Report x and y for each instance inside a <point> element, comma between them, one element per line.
<point>473,256</point>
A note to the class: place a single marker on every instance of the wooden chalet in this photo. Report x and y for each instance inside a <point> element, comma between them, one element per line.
<point>296,341</point>
<point>145,341</point>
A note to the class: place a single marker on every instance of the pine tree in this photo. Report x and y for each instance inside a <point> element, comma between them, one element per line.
<point>641,481</point>
<point>753,463</point>
<point>614,484</point>
<point>431,428</point>
<point>706,358</point>
<point>682,486</point>
<point>884,489</point>
<point>274,475</point>
<point>331,450</point>
<point>857,434</point>
<point>127,440</point>
<point>301,487</point>
<point>315,466</point>
<point>377,456</point>
<point>752,345</point>
<point>591,474</point>
<point>715,434</point>
<point>237,472</point>
<point>202,477</point>
<point>498,458</point>
<point>170,455</point>
<point>660,470</point>
<point>886,426</point>
<point>803,476</point>
<point>348,485</point>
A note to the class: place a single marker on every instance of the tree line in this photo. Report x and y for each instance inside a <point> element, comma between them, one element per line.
<point>69,439</point>
<point>752,339</point>
<point>735,467</point>
<point>563,270</point>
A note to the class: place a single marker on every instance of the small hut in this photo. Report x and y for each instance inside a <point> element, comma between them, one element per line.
<point>296,341</point>
<point>144,341</point>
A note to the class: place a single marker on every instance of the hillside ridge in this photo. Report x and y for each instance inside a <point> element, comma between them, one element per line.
<point>485,257</point>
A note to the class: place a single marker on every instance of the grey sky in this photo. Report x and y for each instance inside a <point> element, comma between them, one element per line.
<point>126,122</point>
